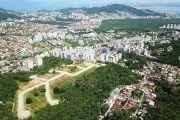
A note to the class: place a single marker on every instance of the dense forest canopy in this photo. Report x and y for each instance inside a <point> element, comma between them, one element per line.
<point>135,25</point>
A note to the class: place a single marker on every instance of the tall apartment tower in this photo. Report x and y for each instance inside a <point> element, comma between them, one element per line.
<point>38,60</point>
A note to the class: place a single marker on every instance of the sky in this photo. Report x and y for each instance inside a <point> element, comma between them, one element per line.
<point>35,5</point>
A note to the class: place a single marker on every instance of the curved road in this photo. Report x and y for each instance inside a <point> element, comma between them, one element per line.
<point>22,113</point>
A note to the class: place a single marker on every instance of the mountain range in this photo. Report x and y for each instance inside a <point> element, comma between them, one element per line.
<point>5,14</point>
<point>112,9</point>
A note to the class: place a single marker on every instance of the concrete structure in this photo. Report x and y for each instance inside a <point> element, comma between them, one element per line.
<point>29,64</point>
<point>38,60</point>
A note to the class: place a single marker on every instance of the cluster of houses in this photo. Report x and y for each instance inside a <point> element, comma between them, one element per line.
<point>132,98</point>
<point>165,71</point>
<point>136,98</point>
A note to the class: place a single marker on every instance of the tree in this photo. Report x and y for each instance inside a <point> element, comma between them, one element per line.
<point>43,90</point>
<point>104,108</point>
<point>28,101</point>
<point>56,90</point>
<point>54,71</point>
<point>36,94</point>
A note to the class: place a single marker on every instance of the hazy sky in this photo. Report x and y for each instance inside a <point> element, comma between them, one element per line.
<point>34,5</point>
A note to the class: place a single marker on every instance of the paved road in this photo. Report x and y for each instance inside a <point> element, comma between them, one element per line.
<point>26,113</point>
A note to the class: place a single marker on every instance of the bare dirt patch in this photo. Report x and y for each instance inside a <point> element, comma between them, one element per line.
<point>88,64</point>
<point>65,69</point>
<point>47,76</point>
<point>59,80</point>
<point>31,84</point>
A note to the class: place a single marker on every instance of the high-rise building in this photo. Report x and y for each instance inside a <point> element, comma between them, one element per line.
<point>29,64</point>
<point>38,60</point>
<point>120,55</point>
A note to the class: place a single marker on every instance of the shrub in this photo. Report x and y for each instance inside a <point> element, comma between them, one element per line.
<point>104,109</point>
<point>54,71</point>
<point>56,90</point>
<point>28,101</point>
<point>61,90</point>
<point>43,90</point>
<point>36,94</point>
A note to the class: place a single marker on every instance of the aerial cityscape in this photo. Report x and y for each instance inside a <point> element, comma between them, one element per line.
<point>98,60</point>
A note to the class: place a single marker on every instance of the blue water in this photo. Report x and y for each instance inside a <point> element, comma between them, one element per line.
<point>164,9</point>
<point>174,10</point>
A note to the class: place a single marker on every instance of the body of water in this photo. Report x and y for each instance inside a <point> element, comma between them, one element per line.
<point>163,9</point>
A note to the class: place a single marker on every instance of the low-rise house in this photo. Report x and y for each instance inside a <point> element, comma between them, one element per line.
<point>108,100</point>
<point>115,105</point>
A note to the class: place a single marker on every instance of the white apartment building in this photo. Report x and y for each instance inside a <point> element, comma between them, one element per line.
<point>38,60</point>
<point>29,64</point>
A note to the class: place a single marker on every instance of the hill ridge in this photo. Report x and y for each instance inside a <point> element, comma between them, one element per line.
<point>111,9</point>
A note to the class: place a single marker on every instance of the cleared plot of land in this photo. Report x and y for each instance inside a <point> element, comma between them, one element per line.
<point>38,99</point>
<point>82,65</point>
<point>62,80</point>
<point>26,85</point>
<point>69,69</point>
<point>46,76</point>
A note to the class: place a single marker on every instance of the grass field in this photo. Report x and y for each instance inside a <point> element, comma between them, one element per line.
<point>46,76</point>
<point>38,101</point>
<point>69,69</point>
<point>81,65</point>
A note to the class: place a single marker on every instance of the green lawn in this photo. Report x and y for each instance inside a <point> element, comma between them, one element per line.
<point>38,101</point>
<point>81,65</point>
<point>70,69</point>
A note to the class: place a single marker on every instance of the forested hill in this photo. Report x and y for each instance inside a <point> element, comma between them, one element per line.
<point>5,14</point>
<point>112,9</point>
<point>83,100</point>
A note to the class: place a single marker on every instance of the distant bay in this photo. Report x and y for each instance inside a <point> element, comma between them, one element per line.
<point>163,9</point>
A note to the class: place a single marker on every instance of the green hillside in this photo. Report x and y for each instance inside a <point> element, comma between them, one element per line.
<point>5,14</point>
<point>112,9</point>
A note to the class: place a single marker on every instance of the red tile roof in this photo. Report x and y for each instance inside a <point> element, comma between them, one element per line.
<point>116,104</point>
<point>126,93</point>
